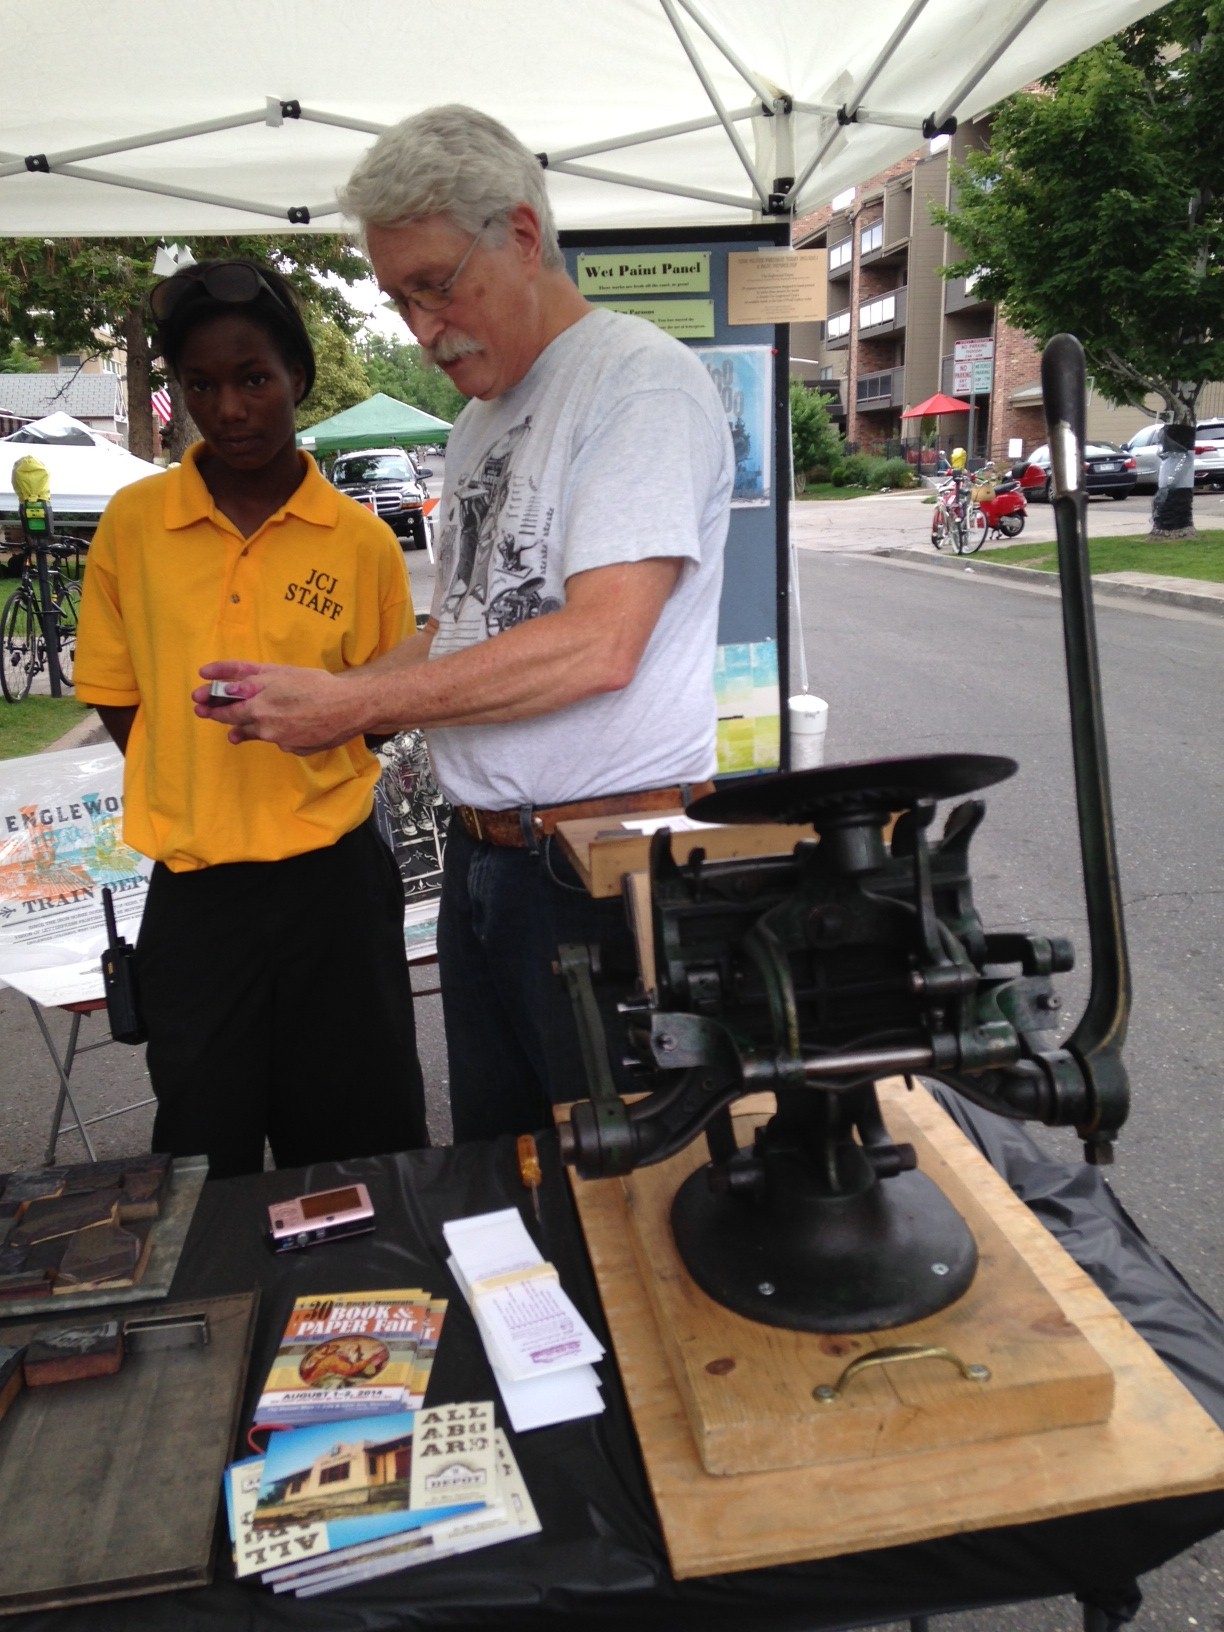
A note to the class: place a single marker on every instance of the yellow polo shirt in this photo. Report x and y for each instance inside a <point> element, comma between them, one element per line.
<point>170,583</point>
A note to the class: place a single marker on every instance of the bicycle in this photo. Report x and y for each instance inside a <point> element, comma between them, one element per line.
<point>23,646</point>
<point>953,524</point>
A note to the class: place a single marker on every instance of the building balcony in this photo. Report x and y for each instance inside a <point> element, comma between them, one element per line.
<point>883,315</point>
<point>837,331</point>
<point>833,392</point>
<point>960,296</point>
<point>882,390</point>
<point>841,259</point>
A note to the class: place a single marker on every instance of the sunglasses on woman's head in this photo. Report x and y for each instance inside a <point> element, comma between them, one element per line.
<point>232,282</point>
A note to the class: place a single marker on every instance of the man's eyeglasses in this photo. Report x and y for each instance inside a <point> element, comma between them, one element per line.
<point>438,297</point>
<point>235,283</point>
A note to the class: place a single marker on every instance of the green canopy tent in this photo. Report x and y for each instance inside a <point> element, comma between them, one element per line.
<point>379,422</point>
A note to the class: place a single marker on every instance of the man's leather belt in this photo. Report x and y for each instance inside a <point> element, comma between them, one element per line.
<point>506,827</point>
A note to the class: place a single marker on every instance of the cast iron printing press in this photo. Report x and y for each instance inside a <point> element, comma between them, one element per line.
<point>860,956</point>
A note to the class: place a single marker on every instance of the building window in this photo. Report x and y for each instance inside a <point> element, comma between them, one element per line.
<point>839,325</point>
<point>336,1474</point>
<point>871,238</point>
<point>873,387</point>
<point>843,200</point>
<point>839,254</point>
<point>826,372</point>
<point>69,364</point>
<point>877,312</point>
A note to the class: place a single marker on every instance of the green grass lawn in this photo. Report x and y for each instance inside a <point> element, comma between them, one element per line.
<point>826,490</point>
<point>1201,557</point>
<point>30,726</point>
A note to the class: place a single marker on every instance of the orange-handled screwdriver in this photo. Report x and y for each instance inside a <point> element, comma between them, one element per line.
<point>529,1169</point>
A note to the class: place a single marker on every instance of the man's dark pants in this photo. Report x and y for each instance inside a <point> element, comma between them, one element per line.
<point>510,1032</point>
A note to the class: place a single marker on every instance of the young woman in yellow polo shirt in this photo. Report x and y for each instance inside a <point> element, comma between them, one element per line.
<point>270,958</point>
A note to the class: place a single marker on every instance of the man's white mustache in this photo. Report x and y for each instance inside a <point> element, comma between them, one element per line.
<point>449,349</point>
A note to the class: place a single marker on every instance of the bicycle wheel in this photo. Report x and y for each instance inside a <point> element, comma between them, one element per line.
<point>18,645</point>
<point>975,531</point>
<point>939,527</point>
<point>958,532</point>
<point>68,606</point>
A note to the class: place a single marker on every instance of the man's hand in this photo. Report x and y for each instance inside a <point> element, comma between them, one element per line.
<point>302,711</point>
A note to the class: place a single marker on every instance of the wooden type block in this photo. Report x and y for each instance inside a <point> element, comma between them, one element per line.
<point>74,1354</point>
<point>141,1196</point>
<point>23,1187</point>
<point>10,1376</point>
<point>113,1256</point>
<point>20,1282</point>
<point>47,1219</point>
<point>1157,1442</point>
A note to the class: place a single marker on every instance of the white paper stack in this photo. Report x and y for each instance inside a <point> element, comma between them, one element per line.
<point>540,1348</point>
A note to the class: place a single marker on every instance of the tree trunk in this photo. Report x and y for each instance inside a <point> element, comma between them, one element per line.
<point>1173,506</point>
<point>141,436</point>
<point>184,430</point>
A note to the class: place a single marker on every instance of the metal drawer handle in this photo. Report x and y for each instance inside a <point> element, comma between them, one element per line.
<point>827,1394</point>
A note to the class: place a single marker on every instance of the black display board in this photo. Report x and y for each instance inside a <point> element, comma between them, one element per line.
<point>685,291</point>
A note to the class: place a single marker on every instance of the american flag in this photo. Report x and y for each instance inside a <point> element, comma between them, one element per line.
<point>162,406</point>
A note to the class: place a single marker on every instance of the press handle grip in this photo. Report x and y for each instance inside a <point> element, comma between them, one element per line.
<point>1063,392</point>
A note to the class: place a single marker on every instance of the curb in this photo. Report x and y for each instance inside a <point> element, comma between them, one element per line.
<point>84,734</point>
<point>1102,589</point>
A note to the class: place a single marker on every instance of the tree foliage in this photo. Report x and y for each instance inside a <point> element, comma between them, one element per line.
<point>395,368</point>
<point>1098,208</point>
<point>814,440</point>
<point>340,376</point>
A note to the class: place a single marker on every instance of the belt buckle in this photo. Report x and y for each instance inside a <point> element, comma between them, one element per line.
<point>471,820</point>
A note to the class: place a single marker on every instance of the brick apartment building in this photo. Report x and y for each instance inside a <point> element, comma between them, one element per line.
<point>890,337</point>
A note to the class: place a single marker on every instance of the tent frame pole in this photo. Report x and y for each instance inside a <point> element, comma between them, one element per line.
<point>987,61</point>
<point>733,135</point>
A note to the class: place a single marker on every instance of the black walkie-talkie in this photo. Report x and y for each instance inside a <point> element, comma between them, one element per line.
<point>119,981</point>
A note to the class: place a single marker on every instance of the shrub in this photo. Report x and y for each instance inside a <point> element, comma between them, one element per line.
<point>894,473</point>
<point>838,476</point>
<point>814,441</point>
<point>859,469</point>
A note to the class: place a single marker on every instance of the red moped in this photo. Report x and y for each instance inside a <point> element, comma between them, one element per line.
<point>1000,505</point>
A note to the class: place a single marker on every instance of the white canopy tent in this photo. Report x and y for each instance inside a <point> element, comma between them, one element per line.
<point>245,115</point>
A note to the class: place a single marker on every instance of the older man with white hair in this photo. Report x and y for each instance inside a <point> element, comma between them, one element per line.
<point>567,666</point>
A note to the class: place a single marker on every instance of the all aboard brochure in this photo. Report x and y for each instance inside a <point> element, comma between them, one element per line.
<point>351,1354</point>
<point>293,1552</point>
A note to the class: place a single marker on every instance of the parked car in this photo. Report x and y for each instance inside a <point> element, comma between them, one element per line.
<point>389,482</point>
<point>1109,469</point>
<point>1144,449</point>
<point>1209,453</point>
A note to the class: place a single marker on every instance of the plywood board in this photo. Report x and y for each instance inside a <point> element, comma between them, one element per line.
<point>602,849</point>
<point>1158,1442</point>
<point>748,1388</point>
<point>109,1487</point>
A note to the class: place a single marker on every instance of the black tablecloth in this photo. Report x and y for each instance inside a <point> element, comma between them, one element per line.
<point>600,1556</point>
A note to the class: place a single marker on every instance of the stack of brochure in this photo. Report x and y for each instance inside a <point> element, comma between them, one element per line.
<point>359,1479</point>
<point>336,1503</point>
<point>352,1354</point>
<point>541,1350</point>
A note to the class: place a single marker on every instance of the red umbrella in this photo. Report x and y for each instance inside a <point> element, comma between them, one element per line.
<point>940,403</point>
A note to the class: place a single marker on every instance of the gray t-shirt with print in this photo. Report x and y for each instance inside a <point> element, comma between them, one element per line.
<point>613,448</point>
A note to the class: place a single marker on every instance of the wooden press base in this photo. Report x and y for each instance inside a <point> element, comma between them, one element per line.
<point>907,1452</point>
